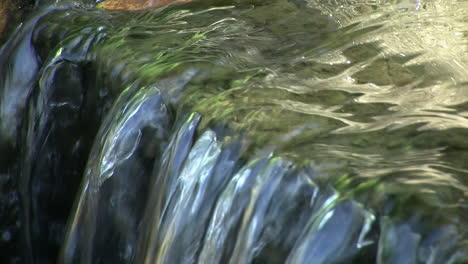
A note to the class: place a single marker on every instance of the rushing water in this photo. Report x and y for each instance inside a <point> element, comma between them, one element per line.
<point>237,131</point>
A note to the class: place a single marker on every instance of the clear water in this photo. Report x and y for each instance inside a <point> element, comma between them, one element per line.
<point>241,132</point>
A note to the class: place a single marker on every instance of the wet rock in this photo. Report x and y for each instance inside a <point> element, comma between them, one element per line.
<point>3,16</point>
<point>137,4</point>
<point>11,13</point>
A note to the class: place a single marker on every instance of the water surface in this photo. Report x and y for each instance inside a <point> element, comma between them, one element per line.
<point>240,132</point>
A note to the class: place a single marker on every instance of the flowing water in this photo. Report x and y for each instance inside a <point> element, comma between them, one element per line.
<point>236,131</point>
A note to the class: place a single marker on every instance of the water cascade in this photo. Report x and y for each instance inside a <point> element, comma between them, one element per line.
<point>236,131</point>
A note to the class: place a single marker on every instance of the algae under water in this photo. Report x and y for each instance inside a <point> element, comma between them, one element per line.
<point>236,132</point>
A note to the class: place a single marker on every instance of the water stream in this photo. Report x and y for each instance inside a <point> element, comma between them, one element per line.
<point>236,131</point>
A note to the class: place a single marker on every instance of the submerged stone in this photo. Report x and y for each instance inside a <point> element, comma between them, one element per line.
<point>12,14</point>
<point>137,4</point>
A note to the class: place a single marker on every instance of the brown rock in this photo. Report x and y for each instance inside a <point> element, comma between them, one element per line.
<point>3,16</point>
<point>12,12</point>
<point>137,4</point>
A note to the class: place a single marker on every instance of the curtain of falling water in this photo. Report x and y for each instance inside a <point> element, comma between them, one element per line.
<point>237,132</point>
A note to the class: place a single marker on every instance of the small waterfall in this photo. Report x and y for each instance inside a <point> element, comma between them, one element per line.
<point>234,132</point>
